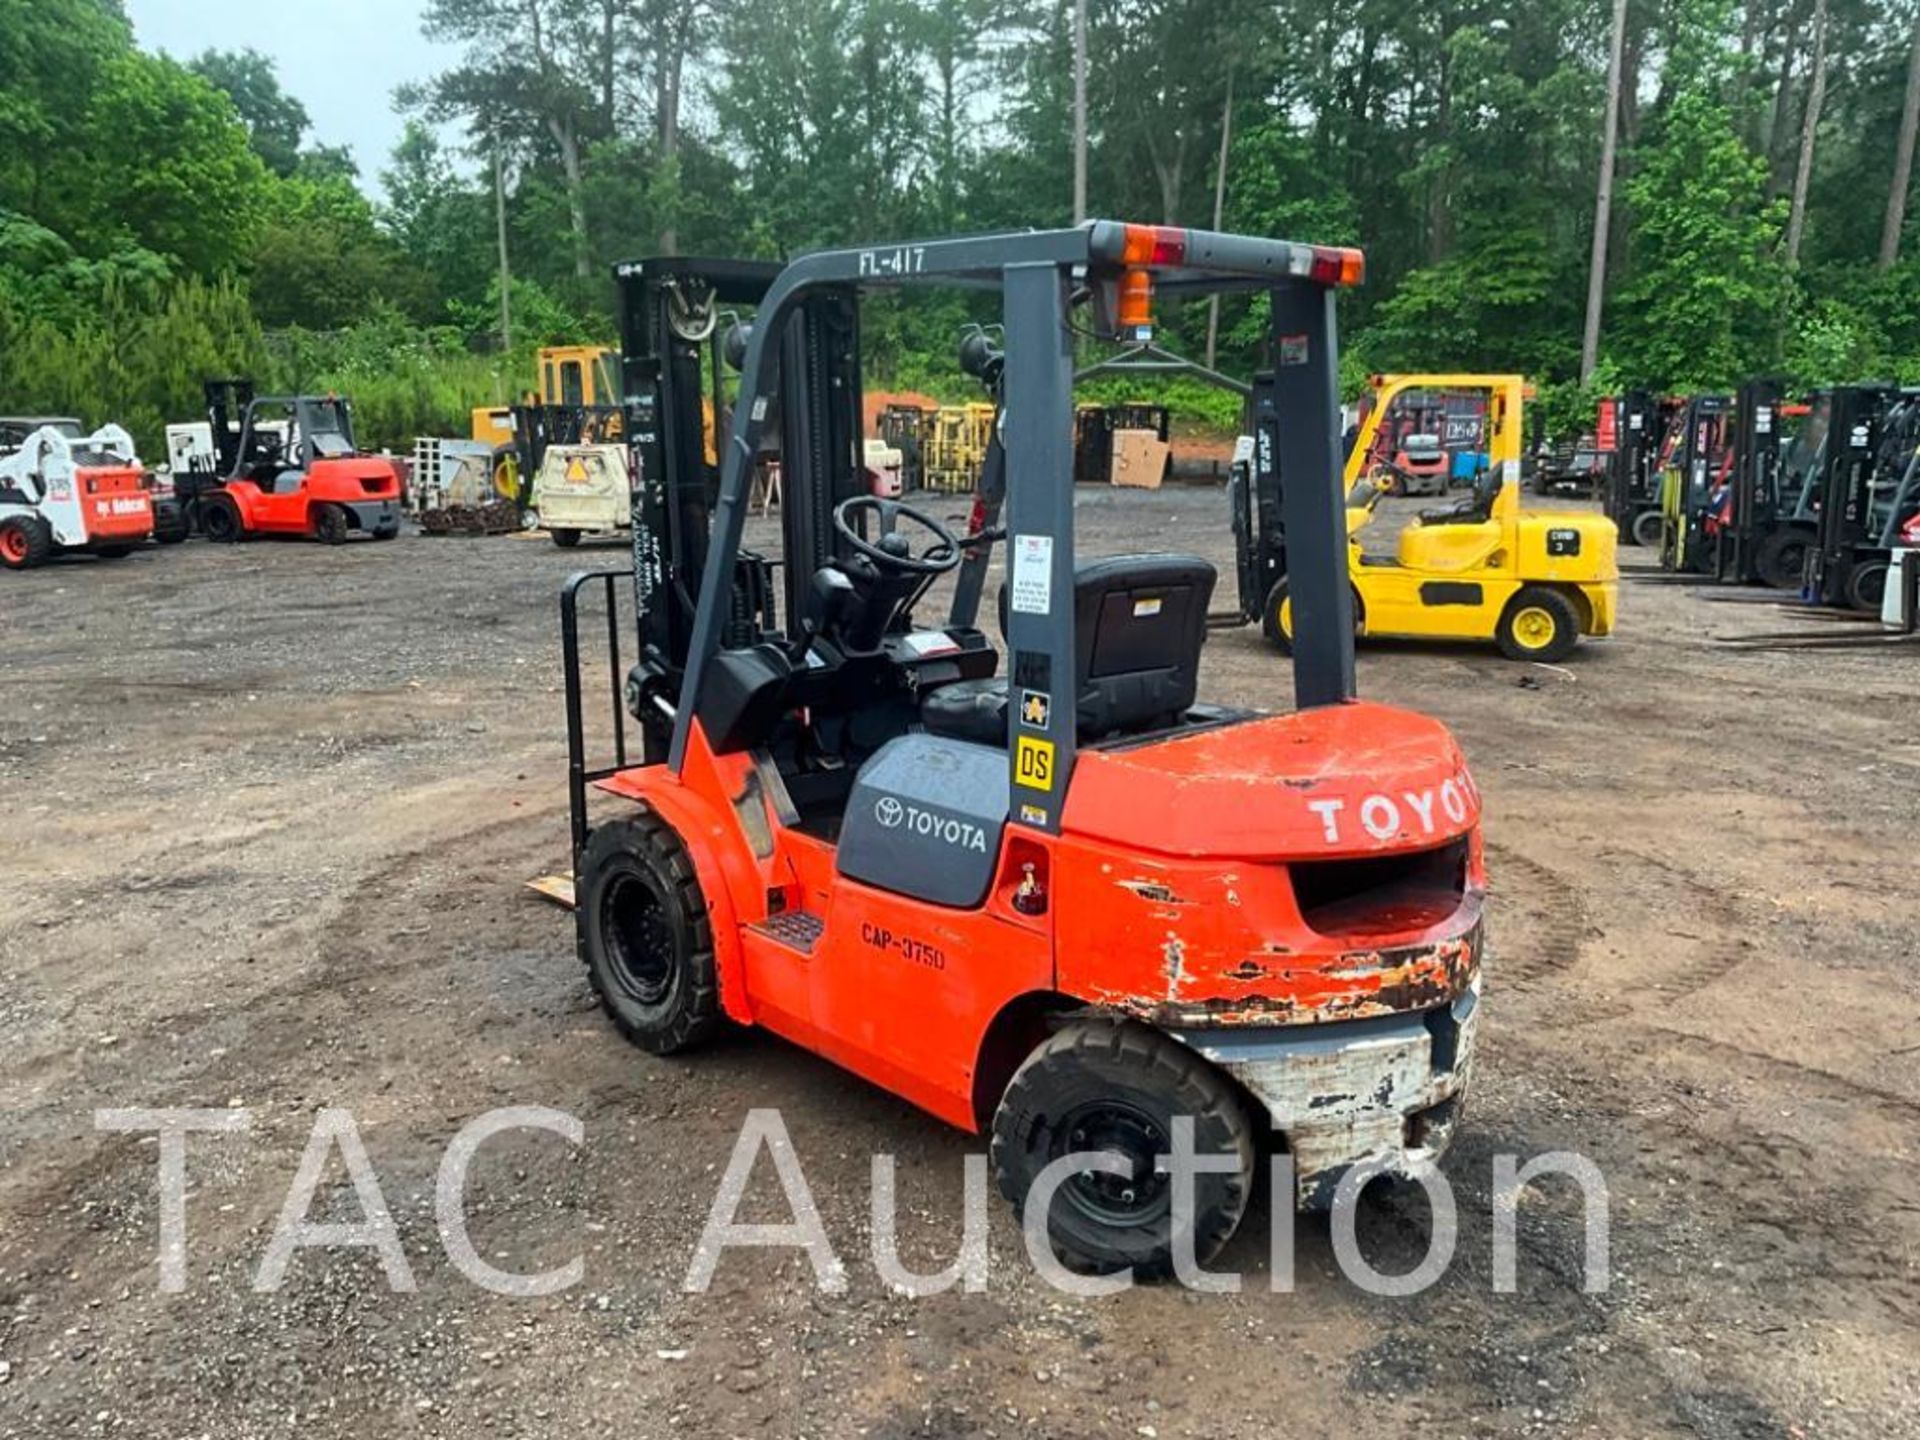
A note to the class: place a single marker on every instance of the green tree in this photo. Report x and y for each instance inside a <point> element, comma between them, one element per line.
<point>1700,308</point>
<point>167,168</point>
<point>276,122</point>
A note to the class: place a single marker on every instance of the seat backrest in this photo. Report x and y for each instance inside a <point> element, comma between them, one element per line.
<point>1139,622</point>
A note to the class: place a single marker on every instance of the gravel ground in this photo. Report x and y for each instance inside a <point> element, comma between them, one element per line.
<point>270,813</point>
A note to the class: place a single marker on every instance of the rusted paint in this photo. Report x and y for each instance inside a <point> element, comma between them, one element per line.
<point>1152,890</point>
<point>1174,955</point>
<point>1361,985</point>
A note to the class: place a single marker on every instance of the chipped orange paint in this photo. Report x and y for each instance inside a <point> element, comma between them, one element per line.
<point>1170,897</point>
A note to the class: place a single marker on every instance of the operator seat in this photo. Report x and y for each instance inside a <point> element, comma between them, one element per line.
<point>1139,622</point>
<point>1476,509</point>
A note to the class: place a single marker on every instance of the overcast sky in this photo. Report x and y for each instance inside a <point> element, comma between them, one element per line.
<point>340,58</point>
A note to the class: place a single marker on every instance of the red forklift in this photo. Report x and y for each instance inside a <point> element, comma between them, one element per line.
<point>287,465</point>
<point>1043,891</point>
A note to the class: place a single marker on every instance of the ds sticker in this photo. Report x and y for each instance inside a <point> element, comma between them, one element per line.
<point>1033,763</point>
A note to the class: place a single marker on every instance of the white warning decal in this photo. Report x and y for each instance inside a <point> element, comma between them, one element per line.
<point>1032,574</point>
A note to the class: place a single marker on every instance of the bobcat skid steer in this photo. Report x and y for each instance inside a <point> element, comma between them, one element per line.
<point>61,492</point>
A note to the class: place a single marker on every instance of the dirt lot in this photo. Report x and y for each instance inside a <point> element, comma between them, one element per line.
<point>269,814</point>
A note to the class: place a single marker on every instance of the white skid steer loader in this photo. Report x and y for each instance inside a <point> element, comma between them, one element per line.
<point>66,493</point>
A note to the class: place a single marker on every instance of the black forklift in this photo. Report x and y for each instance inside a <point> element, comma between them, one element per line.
<point>1741,513</point>
<point>1867,490</point>
<point>1633,474</point>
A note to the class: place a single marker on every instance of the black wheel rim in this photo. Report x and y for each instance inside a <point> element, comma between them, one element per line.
<point>1121,1128</point>
<point>638,939</point>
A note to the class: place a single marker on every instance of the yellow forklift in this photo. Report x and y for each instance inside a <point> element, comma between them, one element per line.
<point>1533,581</point>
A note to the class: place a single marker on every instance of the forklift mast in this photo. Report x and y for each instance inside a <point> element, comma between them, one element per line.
<point>672,350</point>
<point>1843,487</point>
<point>1696,458</point>
<point>1632,481</point>
<point>228,402</point>
<point>1756,481</point>
<point>1258,509</point>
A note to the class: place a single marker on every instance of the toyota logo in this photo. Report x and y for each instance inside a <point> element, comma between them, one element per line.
<point>890,812</point>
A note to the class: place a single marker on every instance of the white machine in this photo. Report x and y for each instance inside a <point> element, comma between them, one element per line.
<point>583,490</point>
<point>1900,604</point>
<point>60,492</point>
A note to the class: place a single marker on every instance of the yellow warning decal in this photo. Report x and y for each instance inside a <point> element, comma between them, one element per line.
<point>1033,763</point>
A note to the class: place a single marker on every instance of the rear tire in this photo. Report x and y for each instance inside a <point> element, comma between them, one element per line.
<point>1097,1086</point>
<point>1646,528</point>
<point>565,539</point>
<point>649,942</point>
<point>330,524</point>
<point>1867,585</point>
<point>220,520</point>
<point>170,528</point>
<point>1276,618</point>
<point>25,541</point>
<point>1782,559</point>
<point>1538,624</point>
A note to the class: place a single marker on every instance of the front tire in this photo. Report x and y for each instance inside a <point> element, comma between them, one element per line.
<point>1538,624</point>
<point>25,541</point>
<point>220,520</point>
<point>1867,585</point>
<point>1782,559</point>
<point>1097,1086</point>
<point>565,539</point>
<point>1646,529</point>
<point>649,942</point>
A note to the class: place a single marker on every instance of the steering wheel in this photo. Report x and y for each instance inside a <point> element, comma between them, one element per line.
<point>893,551</point>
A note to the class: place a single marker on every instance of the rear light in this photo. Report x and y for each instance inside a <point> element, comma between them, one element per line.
<point>1333,265</point>
<point>1136,301</point>
<point>1154,245</point>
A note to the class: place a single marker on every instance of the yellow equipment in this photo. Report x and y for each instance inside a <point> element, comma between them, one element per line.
<point>1533,581</point>
<point>572,376</point>
<point>956,446</point>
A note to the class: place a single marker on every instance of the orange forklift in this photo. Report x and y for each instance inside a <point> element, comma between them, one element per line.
<point>1052,894</point>
<point>286,465</point>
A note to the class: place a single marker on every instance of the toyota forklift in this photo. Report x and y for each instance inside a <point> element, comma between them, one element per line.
<point>1049,894</point>
<point>286,465</point>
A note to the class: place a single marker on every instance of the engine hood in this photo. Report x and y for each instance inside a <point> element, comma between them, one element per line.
<point>1353,779</point>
